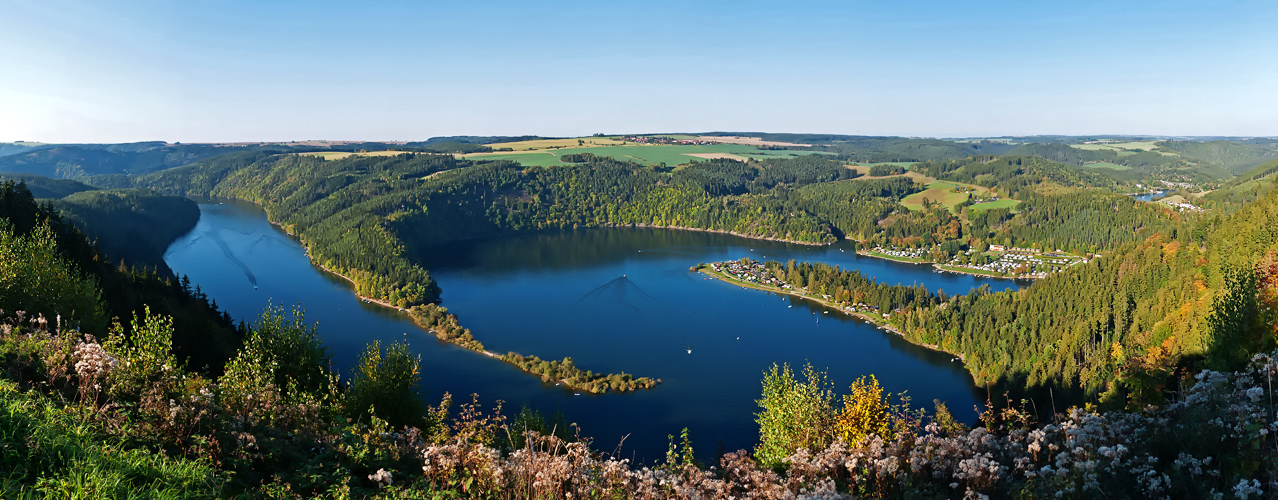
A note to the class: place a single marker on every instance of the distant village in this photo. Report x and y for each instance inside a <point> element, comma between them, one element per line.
<point>644,139</point>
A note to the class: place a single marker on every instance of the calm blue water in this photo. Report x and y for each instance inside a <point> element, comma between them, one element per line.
<point>1150,195</point>
<point>613,299</point>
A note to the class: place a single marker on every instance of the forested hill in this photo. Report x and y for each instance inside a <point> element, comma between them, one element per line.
<point>367,217</point>
<point>364,216</point>
<point>1064,153</point>
<point>86,160</point>
<point>893,149</point>
<point>135,226</point>
<point>49,267</point>
<point>68,161</point>
<point>1123,323</point>
<point>1233,156</point>
<point>47,187</point>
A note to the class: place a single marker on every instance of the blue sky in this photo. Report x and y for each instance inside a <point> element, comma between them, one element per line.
<point>203,71</point>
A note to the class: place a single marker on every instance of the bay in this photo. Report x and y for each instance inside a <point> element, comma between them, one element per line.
<point>614,300</point>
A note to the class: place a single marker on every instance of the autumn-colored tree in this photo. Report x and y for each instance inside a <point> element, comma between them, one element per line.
<point>866,412</point>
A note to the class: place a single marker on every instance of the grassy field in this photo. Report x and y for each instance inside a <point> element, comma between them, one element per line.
<point>970,270</point>
<point>337,155</point>
<point>670,154</point>
<point>907,260</point>
<point>990,205</point>
<point>1105,164</point>
<point>946,193</point>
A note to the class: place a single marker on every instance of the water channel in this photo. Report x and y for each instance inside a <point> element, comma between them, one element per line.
<point>614,300</point>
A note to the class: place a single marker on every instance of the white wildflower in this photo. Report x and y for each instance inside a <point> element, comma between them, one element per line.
<point>382,476</point>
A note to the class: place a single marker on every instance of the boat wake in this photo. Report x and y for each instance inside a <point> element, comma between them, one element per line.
<point>619,291</point>
<point>230,256</point>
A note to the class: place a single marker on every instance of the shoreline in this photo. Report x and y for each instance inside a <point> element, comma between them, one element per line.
<point>946,268</point>
<point>720,231</point>
<point>485,352</point>
<point>878,322</point>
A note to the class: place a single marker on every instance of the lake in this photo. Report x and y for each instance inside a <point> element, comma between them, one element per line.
<point>1150,195</point>
<point>614,300</point>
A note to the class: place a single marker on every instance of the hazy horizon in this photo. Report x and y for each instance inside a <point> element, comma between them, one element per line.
<point>81,72</point>
<point>420,139</point>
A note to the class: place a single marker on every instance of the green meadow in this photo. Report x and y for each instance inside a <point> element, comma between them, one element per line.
<point>1105,164</point>
<point>990,205</point>
<point>949,194</point>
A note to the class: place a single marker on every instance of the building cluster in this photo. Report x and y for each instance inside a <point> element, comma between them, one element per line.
<point>904,253</point>
<point>1001,248</point>
<point>643,139</point>
<point>1012,261</point>
<point>1182,206</point>
<point>752,272</point>
<point>1178,185</point>
<point>1023,262</point>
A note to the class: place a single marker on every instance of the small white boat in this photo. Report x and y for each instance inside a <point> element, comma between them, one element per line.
<point>689,351</point>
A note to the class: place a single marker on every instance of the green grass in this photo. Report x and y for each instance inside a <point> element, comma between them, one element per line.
<point>966,270</point>
<point>908,260</point>
<point>1105,164</point>
<point>942,192</point>
<point>47,451</point>
<point>670,154</point>
<point>990,205</point>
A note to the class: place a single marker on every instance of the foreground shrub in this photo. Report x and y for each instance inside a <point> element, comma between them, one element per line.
<point>57,440</point>
<point>386,384</point>
<point>281,375</point>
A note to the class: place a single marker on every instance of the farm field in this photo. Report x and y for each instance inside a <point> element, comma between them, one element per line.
<point>990,205</point>
<point>655,154</point>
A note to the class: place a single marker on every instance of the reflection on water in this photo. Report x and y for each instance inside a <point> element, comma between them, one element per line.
<point>615,300</point>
